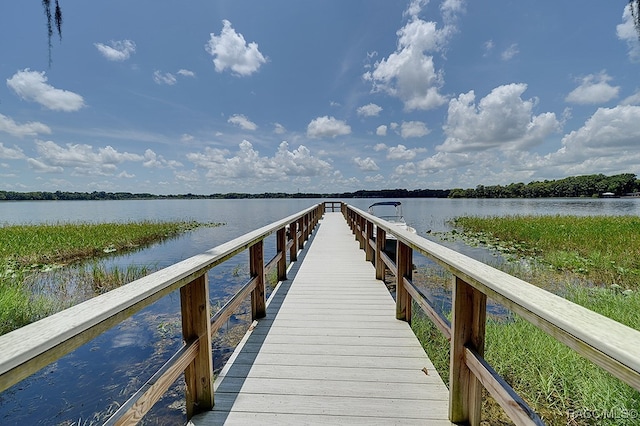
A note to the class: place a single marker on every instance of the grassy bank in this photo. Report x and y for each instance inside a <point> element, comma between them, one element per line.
<point>29,250</point>
<point>590,261</point>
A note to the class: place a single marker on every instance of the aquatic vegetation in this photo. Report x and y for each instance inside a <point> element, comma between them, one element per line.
<point>585,260</point>
<point>606,249</point>
<point>103,280</point>
<point>68,242</point>
<point>29,252</point>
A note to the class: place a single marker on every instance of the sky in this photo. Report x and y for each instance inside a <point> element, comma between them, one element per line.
<point>253,96</point>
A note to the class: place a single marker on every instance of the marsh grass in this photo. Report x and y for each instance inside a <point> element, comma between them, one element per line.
<point>29,251</point>
<point>553,379</point>
<point>103,280</point>
<point>69,242</point>
<point>605,249</point>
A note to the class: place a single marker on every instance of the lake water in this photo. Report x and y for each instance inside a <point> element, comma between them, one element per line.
<point>80,387</point>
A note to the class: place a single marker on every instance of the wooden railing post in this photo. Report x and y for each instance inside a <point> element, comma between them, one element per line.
<point>369,255</point>
<point>256,267</point>
<point>293,232</point>
<point>301,230</point>
<point>360,227</point>
<point>196,325</point>
<point>381,235</point>
<point>354,224</point>
<point>469,308</point>
<point>404,263</point>
<point>281,247</point>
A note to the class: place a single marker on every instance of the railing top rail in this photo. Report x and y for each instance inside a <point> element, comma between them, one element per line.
<point>610,344</point>
<point>40,343</point>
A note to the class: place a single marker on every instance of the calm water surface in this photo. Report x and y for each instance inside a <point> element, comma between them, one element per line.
<point>80,387</point>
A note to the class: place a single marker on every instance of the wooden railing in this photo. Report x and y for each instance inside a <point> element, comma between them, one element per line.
<point>332,206</point>
<point>606,343</point>
<point>30,348</point>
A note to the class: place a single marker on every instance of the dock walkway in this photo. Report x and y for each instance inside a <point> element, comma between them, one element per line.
<point>330,350</point>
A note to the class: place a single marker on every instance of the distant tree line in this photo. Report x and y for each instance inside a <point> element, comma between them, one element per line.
<point>575,186</point>
<point>102,195</point>
<point>64,195</point>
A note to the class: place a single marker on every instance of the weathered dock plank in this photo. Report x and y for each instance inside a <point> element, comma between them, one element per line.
<point>330,350</point>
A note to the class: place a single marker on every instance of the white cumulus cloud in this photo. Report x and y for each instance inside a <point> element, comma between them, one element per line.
<point>242,122</point>
<point>323,127</point>
<point>606,142</point>
<point>279,129</point>
<point>153,160</point>
<point>369,110</point>
<point>409,73</point>
<point>247,164</point>
<point>32,128</point>
<point>607,130</point>
<point>593,89</point>
<point>164,78</point>
<point>510,52</point>
<point>632,100</point>
<point>33,86</point>
<point>402,153</point>
<point>413,129</point>
<point>81,158</point>
<point>11,153</point>
<point>116,50</point>
<point>627,33</point>
<point>230,50</point>
<point>186,73</point>
<point>501,119</point>
<point>366,164</point>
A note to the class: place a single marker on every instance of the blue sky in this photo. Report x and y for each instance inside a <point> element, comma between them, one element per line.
<point>327,96</point>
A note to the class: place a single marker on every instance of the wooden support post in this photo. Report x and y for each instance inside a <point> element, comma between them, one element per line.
<point>196,325</point>
<point>381,235</point>
<point>404,263</point>
<point>354,226</point>
<point>256,269</point>
<point>293,251</point>
<point>360,237</point>
<point>301,230</point>
<point>468,322</point>
<point>281,247</point>
<point>369,255</point>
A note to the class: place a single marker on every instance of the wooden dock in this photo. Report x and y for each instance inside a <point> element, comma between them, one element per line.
<point>330,350</point>
<point>327,347</point>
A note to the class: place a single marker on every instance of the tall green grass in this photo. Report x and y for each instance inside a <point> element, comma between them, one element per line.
<point>606,249</point>
<point>68,242</point>
<point>29,250</point>
<point>563,387</point>
<point>17,306</point>
<point>557,382</point>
